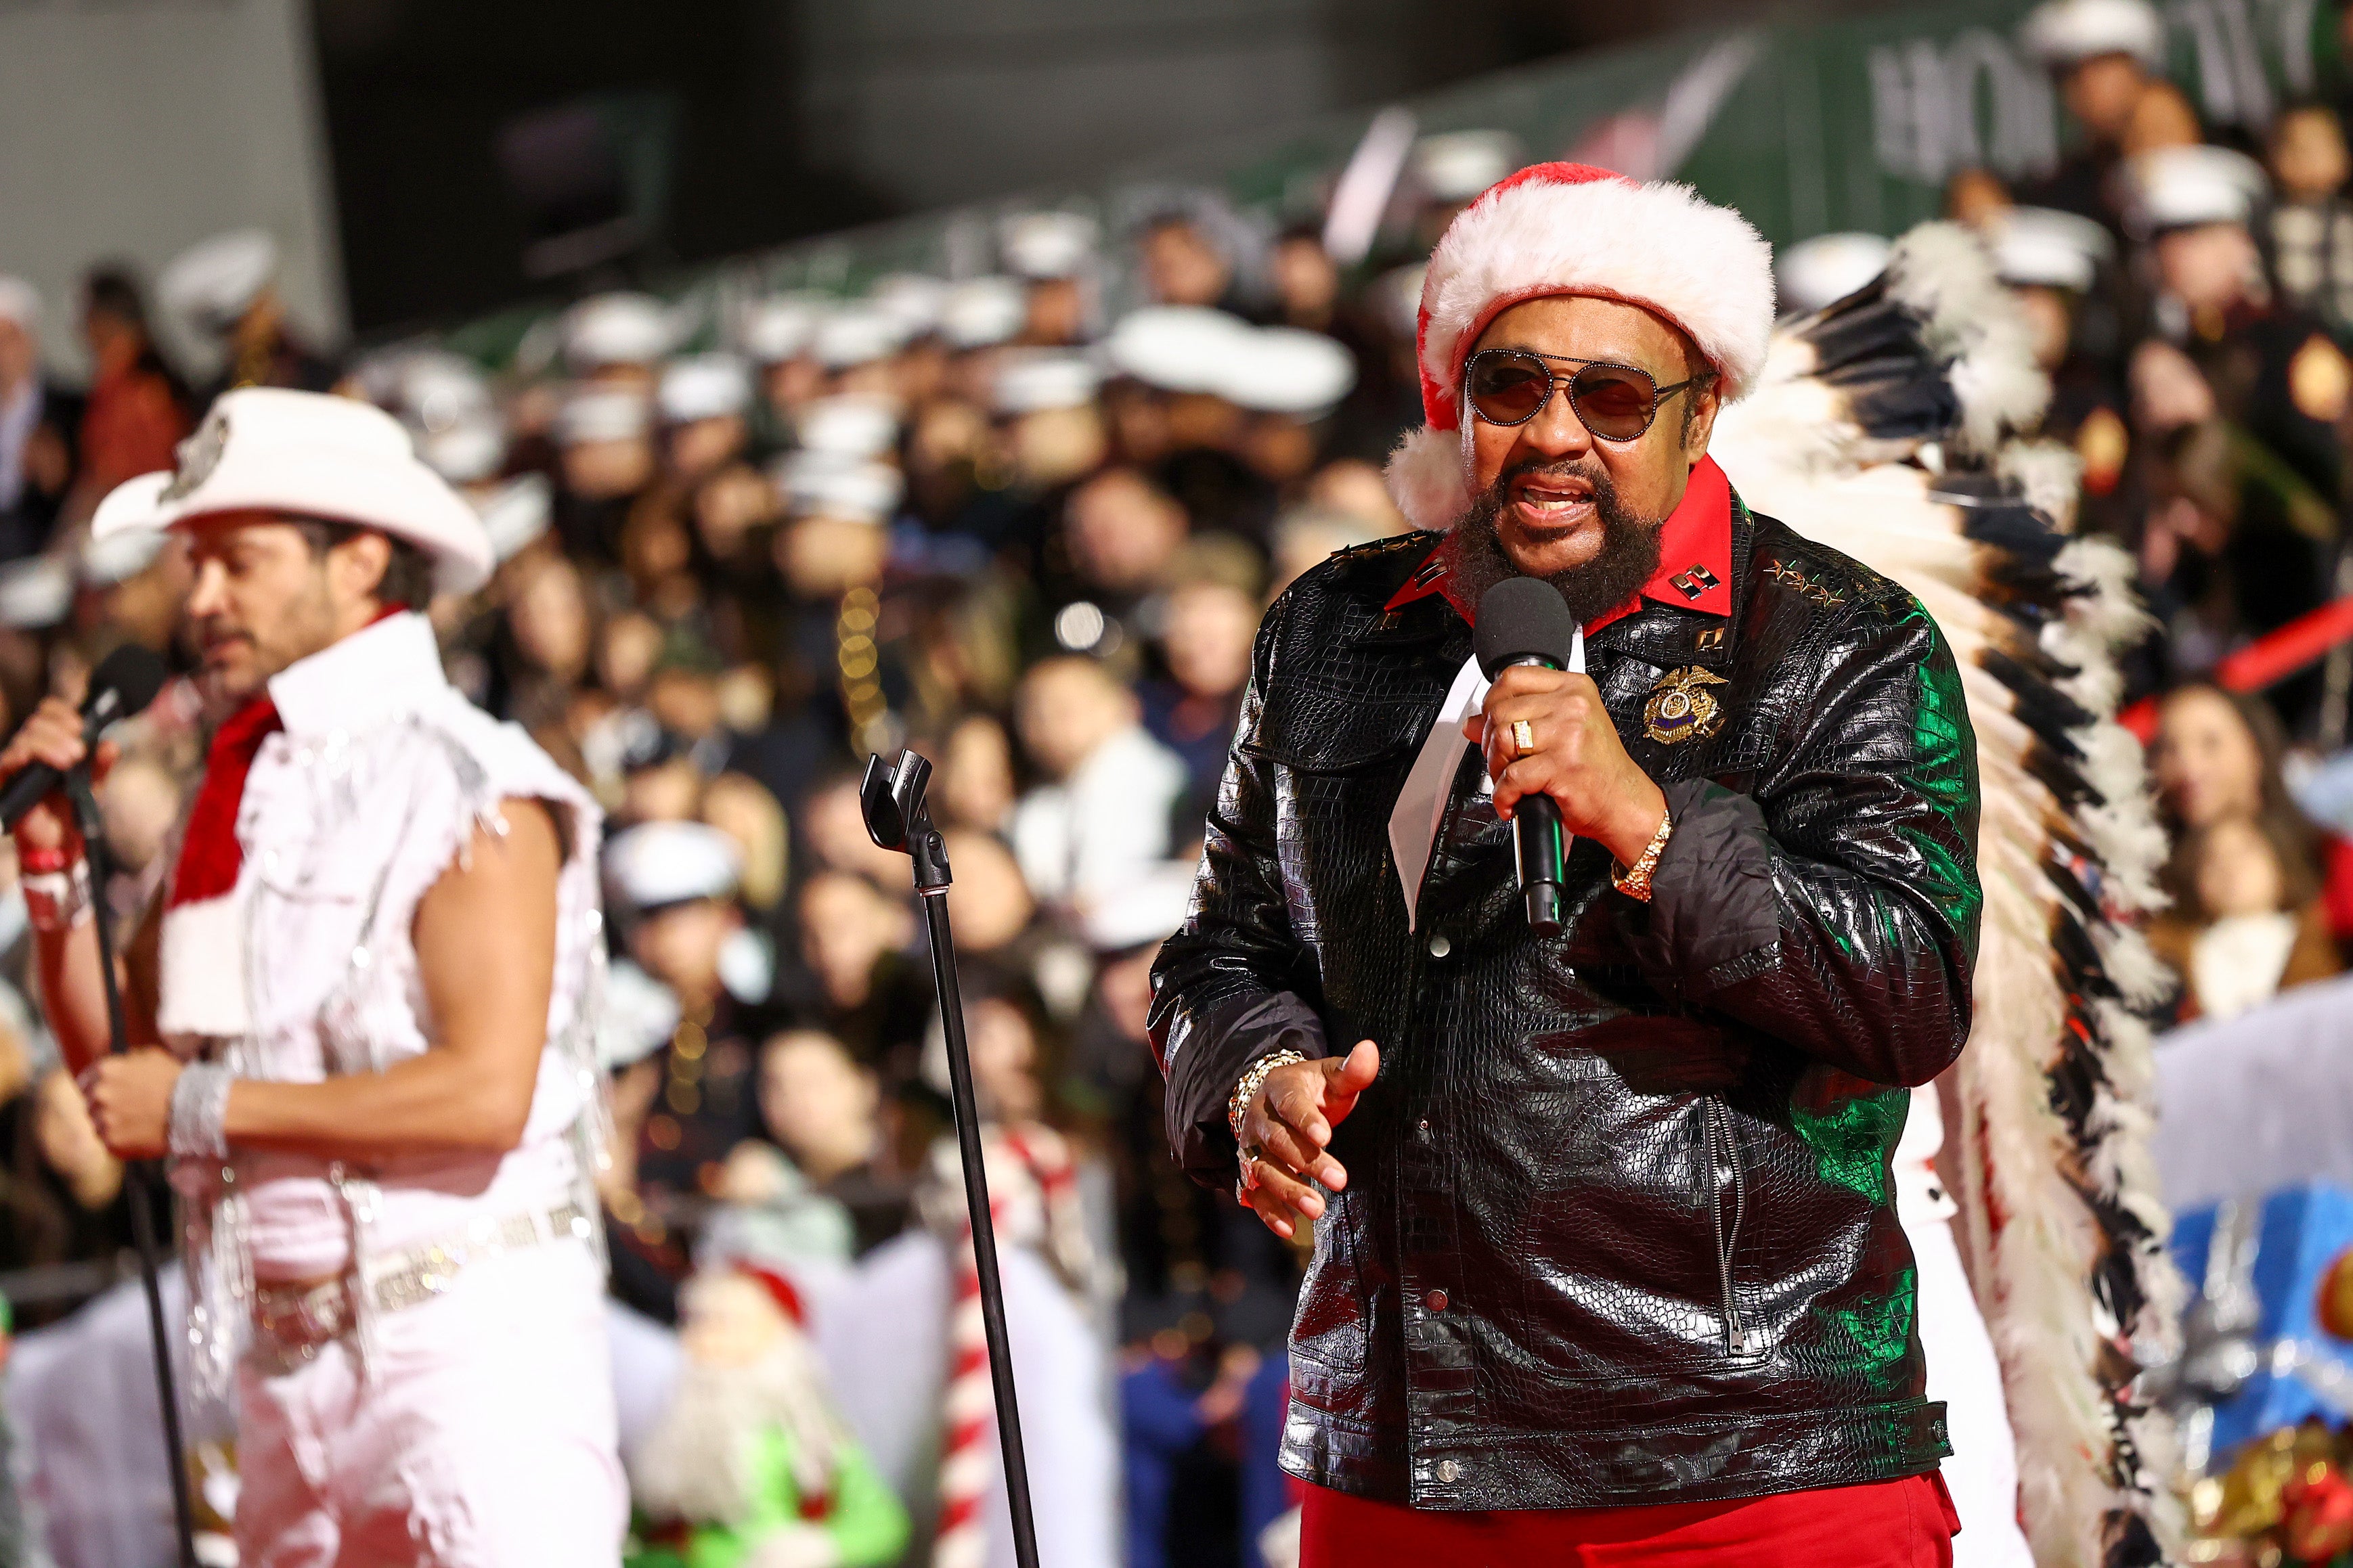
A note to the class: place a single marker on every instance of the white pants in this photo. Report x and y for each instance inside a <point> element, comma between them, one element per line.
<point>481,1435</point>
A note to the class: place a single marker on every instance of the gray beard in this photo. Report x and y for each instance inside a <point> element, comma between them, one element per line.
<point>1627,559</point>
<point>696,1464</point>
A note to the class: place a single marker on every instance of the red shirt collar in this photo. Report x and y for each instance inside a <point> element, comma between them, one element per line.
<point>1694,558</point>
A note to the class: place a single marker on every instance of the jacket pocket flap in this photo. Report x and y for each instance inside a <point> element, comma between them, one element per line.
<point>1319,731</point>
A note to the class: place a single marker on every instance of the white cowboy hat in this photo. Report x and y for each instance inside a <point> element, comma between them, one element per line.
<point>266,449</point>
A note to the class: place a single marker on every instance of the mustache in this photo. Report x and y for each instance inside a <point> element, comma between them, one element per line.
<point>1587,469</point>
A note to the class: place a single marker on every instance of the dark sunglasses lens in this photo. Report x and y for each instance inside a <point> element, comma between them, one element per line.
<point>1508,389</point>
<point>1615,405</point>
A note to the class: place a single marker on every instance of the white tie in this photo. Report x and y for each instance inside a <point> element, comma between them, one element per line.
<point>1422,804</point>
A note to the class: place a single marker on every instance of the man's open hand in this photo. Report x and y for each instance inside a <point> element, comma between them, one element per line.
<point>1288,1124</point>
<point>1577,758</point>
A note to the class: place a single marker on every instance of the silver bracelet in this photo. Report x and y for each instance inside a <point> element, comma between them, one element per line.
<point>57,901</point>
<point>199,1122</point>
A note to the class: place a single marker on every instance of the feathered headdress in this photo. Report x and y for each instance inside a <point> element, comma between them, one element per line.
<point>1884,425</point>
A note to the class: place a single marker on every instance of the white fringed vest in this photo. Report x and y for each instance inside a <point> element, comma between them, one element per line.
<point>373,790</point>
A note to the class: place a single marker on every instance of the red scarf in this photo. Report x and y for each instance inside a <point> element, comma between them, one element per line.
<point>210,857</point>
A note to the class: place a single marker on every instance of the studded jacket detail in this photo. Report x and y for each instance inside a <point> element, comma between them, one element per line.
<point>1619,1225</point>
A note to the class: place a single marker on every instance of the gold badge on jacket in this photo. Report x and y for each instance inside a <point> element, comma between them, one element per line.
<point>1682,708</point>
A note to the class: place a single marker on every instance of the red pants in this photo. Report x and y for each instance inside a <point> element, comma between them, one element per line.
<point>1908,1523</point>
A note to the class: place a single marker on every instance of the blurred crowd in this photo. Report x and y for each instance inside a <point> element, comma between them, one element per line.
<point>741,550</point>
<point>2190,290</point>
<point>1025,523</point>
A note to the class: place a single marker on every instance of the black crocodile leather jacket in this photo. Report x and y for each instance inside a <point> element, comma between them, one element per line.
<point>1619,1225</point>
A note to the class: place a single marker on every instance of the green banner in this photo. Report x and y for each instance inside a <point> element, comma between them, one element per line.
<point>1854,124</point>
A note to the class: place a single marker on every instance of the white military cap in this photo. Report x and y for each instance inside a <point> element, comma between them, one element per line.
<point>657,864</point>
<point>2187,187</point>
<point>2043,248</point>
<point>1819,272</point>
<point>1047,245</point>
<point>911,299</point>
<point>856,335</point>
<point>822,485</point>
<point>2061,33</point>
<point>120,557</point>
<point>516,513</point>
<point>778,328</point>
<point>213,283</point>
<point>850,425</point>
<point>436,388</point>
<point>266,448</point>
<point>445,403</point>
<point>1177,348</point>
<point>1038,380</point>
<point>467,450</point>
<point>19,302</point>
<point>982,312</point>
<point>35,592</point>
<point>1456,165</point>
<point>640,1015</point>
<point>602,414</point>
<point>704,386</point>
<point>617,329</point>
<point>1283,370</point>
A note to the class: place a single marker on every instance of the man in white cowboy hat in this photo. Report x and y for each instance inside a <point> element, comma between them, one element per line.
<point>360,1019</point>
<point>1608,1266</point>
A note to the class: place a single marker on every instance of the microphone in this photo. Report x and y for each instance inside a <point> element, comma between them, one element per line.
<point>124,682</point>
<point>1524,620</point>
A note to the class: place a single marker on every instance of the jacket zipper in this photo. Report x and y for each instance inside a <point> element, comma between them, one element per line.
<point>1718,1124</point>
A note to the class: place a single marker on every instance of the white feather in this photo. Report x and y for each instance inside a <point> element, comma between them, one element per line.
<point>2049,474</point>
<point>1942,272</point>
<point>1797,453</point>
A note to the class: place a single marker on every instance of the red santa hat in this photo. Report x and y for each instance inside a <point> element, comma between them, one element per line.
<point>1570,228</point>
<point>780,1290</point>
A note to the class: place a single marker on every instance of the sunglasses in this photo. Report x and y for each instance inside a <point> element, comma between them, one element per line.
<point>1615,401</point>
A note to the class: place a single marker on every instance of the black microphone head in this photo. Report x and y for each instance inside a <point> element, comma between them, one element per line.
<point>124,682</point>
<point>1521,617</point>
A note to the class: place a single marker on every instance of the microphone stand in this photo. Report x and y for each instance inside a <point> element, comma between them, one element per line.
<point>141,1176</point>
<point>897,818</point>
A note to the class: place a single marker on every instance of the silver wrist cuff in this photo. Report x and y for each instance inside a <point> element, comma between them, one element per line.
<point>199,1125</point>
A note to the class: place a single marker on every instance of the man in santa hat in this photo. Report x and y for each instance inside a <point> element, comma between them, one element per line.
<point>362,1019</point>
<point>1608,1265</point>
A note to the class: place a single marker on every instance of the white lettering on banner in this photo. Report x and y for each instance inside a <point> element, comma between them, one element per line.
<point>1927,101</point>
<point>1973,100</point>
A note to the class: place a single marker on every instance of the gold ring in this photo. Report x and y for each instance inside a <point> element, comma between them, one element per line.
<point>1523,738</point>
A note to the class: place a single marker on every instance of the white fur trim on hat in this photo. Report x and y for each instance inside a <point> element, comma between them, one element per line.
<point>1564,229</point>
<point>1427,478</point>
<point>1580,231</point>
